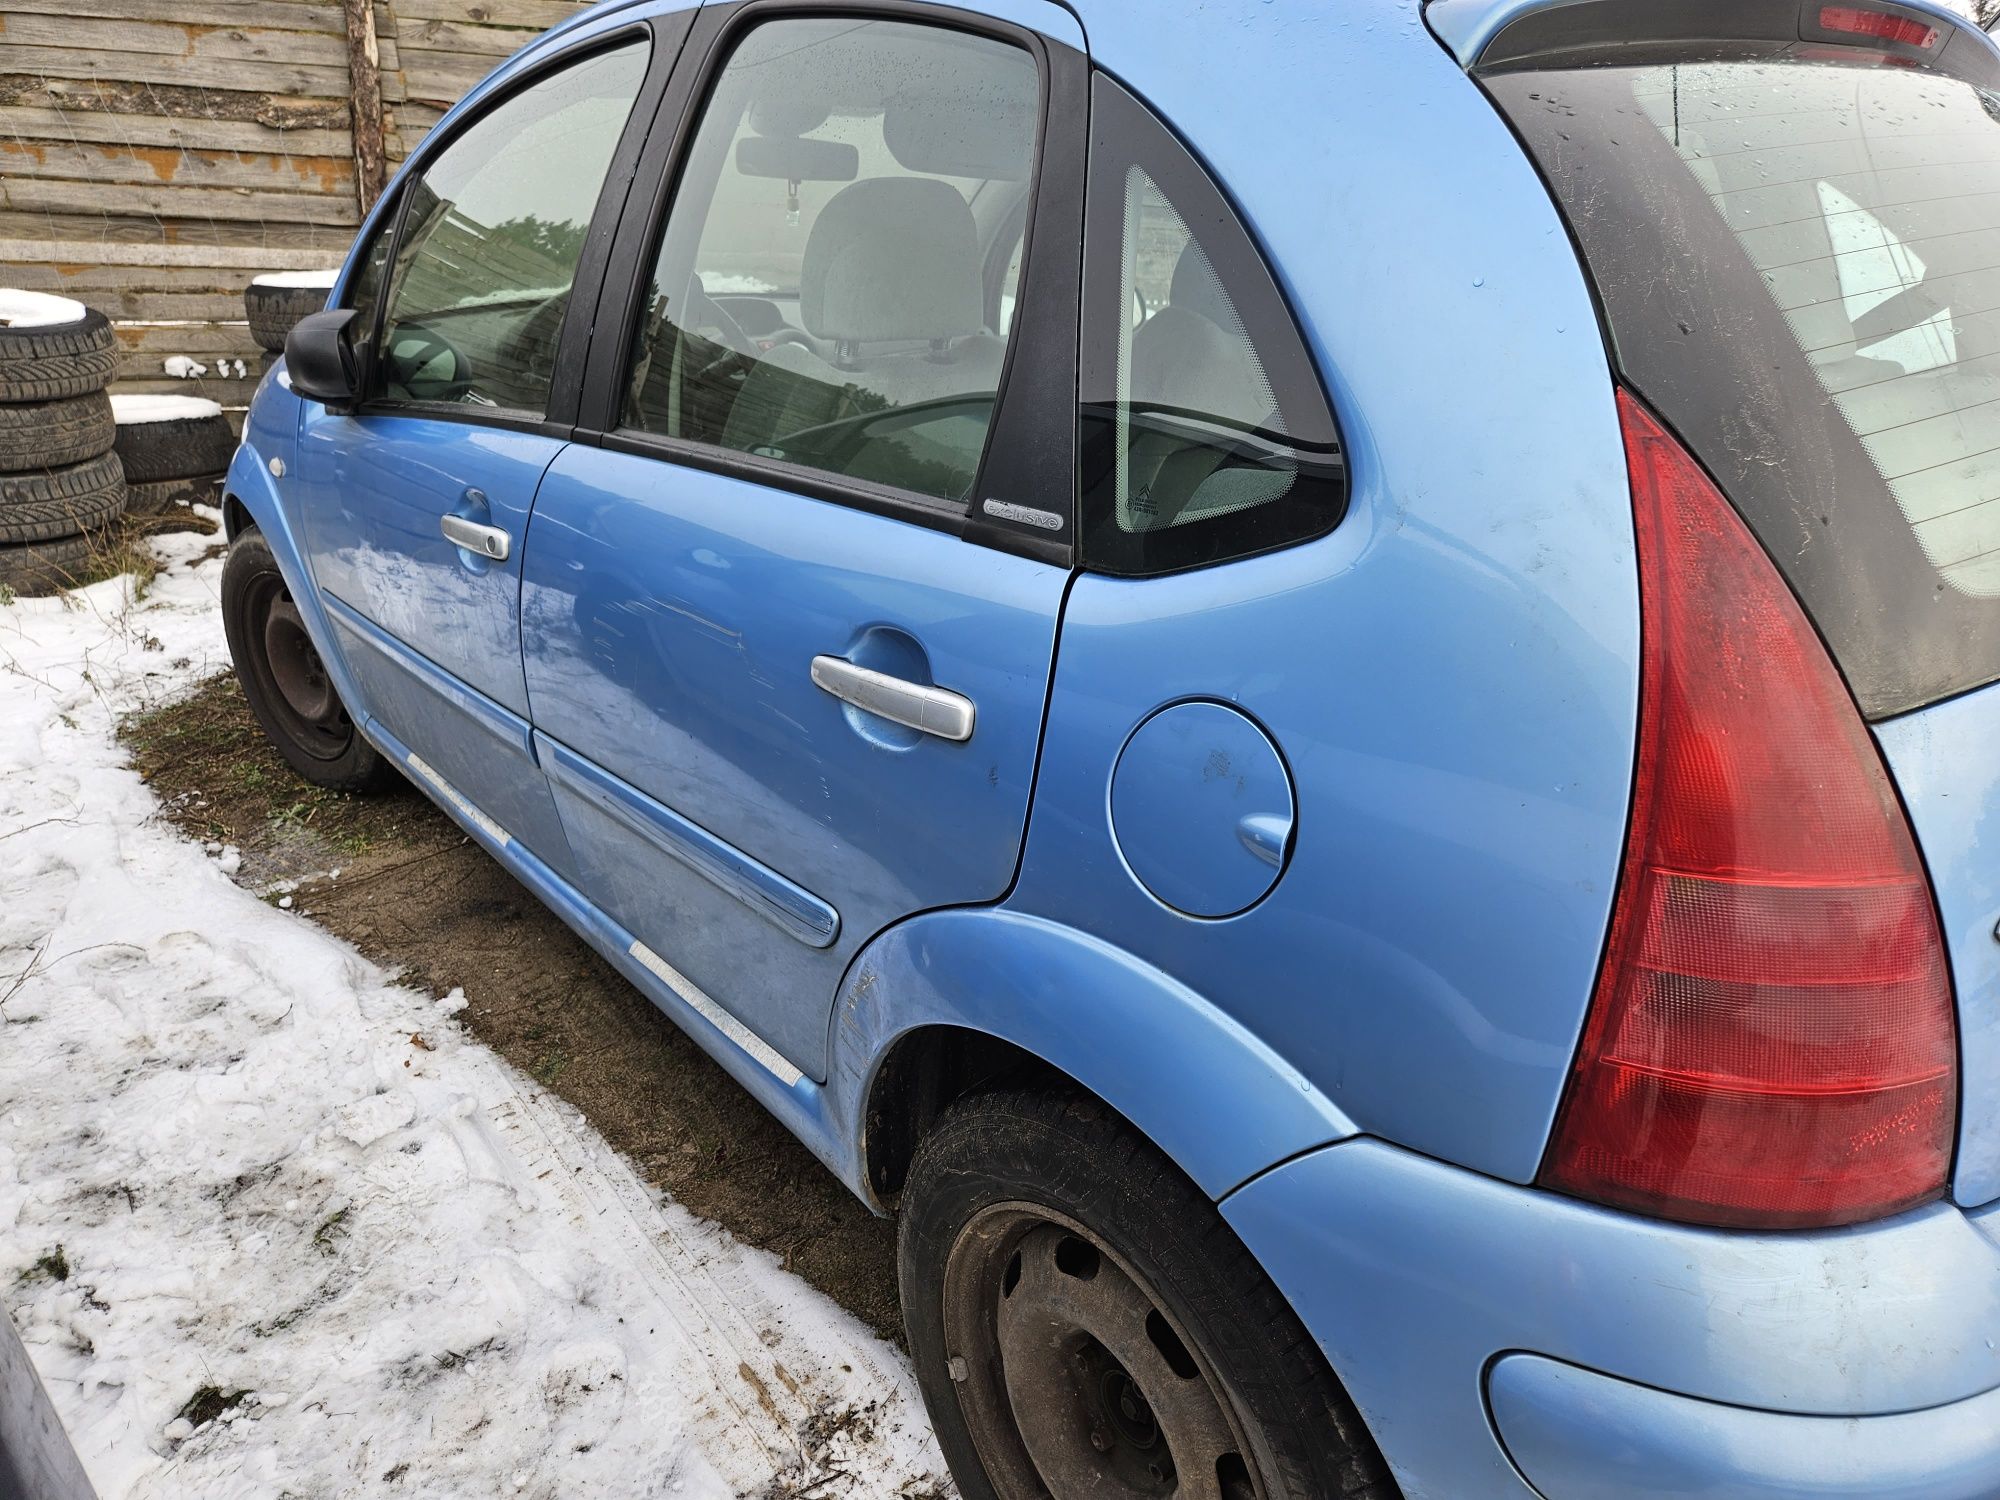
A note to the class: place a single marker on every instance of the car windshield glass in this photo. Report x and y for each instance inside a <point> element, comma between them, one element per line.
<point>1799,258</point>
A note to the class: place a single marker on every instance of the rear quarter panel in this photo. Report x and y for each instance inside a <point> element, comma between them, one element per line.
<point>1946,761</point>
<point>1452,674</point>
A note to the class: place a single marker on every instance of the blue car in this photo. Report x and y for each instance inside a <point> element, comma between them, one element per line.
<point>1320,684</point>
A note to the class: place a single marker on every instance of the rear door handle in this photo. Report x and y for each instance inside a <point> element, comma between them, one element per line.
<point>487,541</point>
<point>930,710</point>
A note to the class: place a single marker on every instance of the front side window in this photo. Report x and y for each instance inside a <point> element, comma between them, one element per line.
<point>1205,435</point>
<point>820,295</point>
<point>491,238</point>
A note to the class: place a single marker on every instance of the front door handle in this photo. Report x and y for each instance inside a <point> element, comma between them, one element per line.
<point>487,541</point>
<point>930,710</point>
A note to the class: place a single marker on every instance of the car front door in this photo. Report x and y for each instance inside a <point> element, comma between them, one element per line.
<point>789,612</point>
<point>417,503</point>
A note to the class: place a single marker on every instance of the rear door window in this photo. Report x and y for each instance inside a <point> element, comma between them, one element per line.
<point>1799,256</point>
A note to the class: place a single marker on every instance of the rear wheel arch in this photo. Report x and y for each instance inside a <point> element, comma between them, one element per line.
<point>952,1001</point>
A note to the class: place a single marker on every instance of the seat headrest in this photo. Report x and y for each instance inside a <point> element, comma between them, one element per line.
<point>1196,288</point>
<point>892,258</point>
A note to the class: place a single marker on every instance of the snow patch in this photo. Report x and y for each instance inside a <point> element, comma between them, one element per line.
<point>420,1263</point>
<point>135,411</point>
<point>20,309</point>
<point>183,366</point>
<point>322,280</point>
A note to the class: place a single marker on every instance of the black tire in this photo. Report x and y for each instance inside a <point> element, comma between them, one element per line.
<point>290,693</point>
<point>49,434</point>
<point>274,309</point>
<point>44,567</point>
<point>175,449</point>
<point>61,502</point>
<point>1063,1174</point>
<point>61,359</point>
<point>162,497</point>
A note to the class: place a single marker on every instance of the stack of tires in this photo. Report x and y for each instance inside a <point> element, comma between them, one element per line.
<point>175,450</point>
<point>277,300</point>
<point>61,485</point>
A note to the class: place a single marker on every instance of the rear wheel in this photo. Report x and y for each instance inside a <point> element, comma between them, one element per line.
<point>283,677</point>
<point>1085,1324</point>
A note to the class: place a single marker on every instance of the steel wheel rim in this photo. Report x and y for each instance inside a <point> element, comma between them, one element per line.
<point>297,684</point>
<point>1074,1379</point>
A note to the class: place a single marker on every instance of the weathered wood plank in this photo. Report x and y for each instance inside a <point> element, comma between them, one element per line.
<point>148,263</point>
<point>191,72</point>
<point>415,113</point>
<point>165,235</point>
<point>185,41</point>
<point>537,15</point>
<point>287,15</point>
<point>443,77</point>
<point>328,175</point>
<point>114,97</point>
<point>94,280</point>
<point>236,205</point>
<point>182,338</point>
<point>25,122</point>
<point>454,36</point>
<point>160,307</point>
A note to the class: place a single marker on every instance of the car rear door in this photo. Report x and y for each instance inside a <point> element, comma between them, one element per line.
<point>790,602</point>
<point>416,503</point>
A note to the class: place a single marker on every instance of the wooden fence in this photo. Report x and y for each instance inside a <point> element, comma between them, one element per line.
<point>153,158</point>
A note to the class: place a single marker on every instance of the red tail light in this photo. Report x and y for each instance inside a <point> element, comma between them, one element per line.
<point>1772,1042</point>
<point>1878,25</point>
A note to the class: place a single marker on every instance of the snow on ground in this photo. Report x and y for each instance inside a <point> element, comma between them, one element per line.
<point>273,1171</point>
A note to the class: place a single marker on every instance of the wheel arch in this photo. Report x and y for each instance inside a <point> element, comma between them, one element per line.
<point>949,1001</point>
<point>251,500</point>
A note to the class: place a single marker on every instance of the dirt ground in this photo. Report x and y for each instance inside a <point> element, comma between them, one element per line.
<point>418,897</point>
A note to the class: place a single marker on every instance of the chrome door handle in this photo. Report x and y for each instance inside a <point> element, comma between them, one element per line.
<point>487,541</point>
<point>930,710</point>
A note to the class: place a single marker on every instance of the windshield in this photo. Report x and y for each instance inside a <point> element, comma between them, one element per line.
<point>1799,259</point>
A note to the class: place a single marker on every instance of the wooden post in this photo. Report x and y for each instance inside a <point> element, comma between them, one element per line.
<point>364,71</point>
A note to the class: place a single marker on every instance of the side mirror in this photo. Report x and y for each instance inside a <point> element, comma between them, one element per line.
<point>321,360</point>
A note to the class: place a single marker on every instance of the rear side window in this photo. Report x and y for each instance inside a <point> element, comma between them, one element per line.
<point>1798,252</point>
<point>1205,434</point>
<point>491,238</point>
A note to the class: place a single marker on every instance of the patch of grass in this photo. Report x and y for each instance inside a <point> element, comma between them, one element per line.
<point>52,1266</point>
<point>550,1067</point>
<point>6,596</point>
<point>222,781</point>
<point>208,1403</point>
<point>119,549</point>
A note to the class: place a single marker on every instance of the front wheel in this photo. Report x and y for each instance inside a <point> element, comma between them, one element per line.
<point>283,678</point>
<point>1085,1324</point>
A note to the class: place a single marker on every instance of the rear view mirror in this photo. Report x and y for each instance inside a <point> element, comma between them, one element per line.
<point>321,360</point>
<point>797,159</point>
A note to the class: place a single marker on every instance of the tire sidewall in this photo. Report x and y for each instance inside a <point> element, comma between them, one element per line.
<point>360,766</point>
<point>1088,1166</point>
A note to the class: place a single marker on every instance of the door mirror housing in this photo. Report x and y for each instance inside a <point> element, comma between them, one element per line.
<point>321,359</point>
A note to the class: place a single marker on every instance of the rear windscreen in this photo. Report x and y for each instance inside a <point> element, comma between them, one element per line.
<point>1799,259</point>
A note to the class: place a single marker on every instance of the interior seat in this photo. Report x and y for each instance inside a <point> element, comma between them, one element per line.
<point>1192,360</point>
<point>891,279</point>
